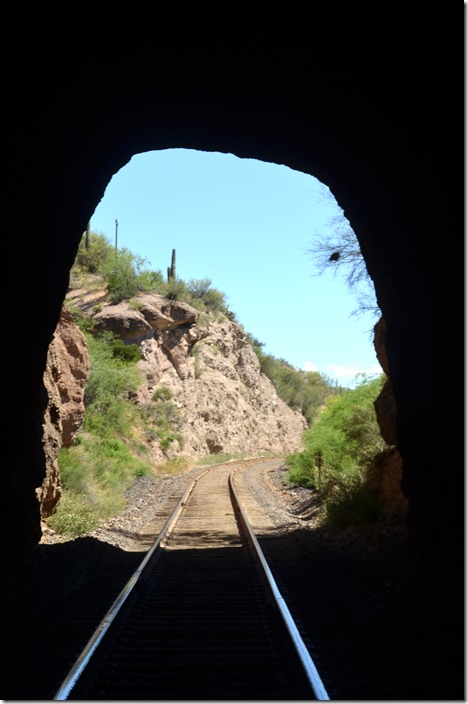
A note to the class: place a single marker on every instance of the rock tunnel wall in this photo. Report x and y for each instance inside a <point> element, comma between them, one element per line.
<point>345,96</point>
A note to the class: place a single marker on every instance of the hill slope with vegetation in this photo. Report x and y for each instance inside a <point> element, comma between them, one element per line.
<point>339,448</point>
<point>125,275</point>
<point>163,352</point>
<point>174,379</point>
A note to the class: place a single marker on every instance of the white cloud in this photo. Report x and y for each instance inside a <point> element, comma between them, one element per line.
<point>345,374</point>
<point>310,367</point>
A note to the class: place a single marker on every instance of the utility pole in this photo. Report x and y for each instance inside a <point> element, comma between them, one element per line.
<point>116,229</point>
<point>88,227</point>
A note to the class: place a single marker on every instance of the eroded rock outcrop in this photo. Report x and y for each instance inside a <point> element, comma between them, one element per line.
<point>221,401</point>
<point>64,379</point>
<point>214,377</point>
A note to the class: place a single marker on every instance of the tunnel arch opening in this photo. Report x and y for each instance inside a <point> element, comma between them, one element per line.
<point>149,179</point>
<point>116,154</point>
<point>346,111</point>
<point>343,96</point>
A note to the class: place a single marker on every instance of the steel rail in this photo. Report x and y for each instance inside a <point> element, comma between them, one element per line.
<point>308,664</point>
<point>83,659</point>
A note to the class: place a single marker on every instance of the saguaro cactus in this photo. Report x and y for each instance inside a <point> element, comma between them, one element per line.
<point>171,270</point>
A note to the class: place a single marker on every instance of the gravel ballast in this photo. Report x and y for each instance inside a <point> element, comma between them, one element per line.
<point>400,621</point>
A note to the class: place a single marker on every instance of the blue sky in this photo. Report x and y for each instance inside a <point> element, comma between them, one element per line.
<point>247,226</point>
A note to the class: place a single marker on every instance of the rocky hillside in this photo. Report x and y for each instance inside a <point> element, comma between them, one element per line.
<point>64,380</point>
<point>212,373</point>
<point>202,362</point>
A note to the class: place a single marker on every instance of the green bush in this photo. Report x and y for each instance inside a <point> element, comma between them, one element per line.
<point>125,353</point>
<point>125,275</point>
<point>121,275</point>
<point>76,516</point>
<point>175,290</point>
<point>104,459</point>
<point>151,281</point>
<point>94,258</point>
<point>163,421</point>
<point>302,470</point>
<point>198,288</point>
<point>84,322</point>
<point>95,473</point>
<point>112,374</point>
<point>345,437</point>
<point>166,413</point>
<point>163,393</point>
<point>74,472</point>
<point>349,503</point>
<point>206,298</point>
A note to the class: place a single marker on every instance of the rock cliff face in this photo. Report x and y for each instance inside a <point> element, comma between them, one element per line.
<point>64,379</point>
<point>385,474</point>
<point>210,372</point>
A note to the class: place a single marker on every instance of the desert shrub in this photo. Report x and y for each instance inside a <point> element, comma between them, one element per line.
<point>151,281</point>
<point>301,470</point>
<point>126,353</point>
<point>95,473</point>
<point>345,437</point>
<point>104,459</point>
<point>230,315</point>
<point>167,419</point>
<point>93,258</point>
<point>76,516</point>
<point>121,275</point>
<point>215,301</point>
<point>74,473</point>
<point>112,374</point>
<point>125,275</point>
<point>86,323</point>
<point>202,292</point>
<point>349,503</point>
<point>175,290</point>
<point>163,393</point>
<point>163,421</point>
<point>135,304</point>
<point>198,288</point>
<point>166,413</point>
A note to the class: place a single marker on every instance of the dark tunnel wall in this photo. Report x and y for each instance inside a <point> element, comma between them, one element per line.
<point>361,102</point>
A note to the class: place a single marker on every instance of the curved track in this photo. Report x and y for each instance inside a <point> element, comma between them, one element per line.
<point>202,617</point>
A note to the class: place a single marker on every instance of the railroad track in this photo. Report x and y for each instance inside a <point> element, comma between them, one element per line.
<point>201,618</point>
